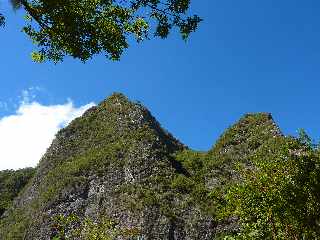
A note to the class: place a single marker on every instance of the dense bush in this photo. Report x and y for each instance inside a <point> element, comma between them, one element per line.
<point>279,196</point>
<point>11,183</point>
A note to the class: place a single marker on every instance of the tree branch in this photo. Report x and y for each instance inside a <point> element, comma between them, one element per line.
<point>32,13</point>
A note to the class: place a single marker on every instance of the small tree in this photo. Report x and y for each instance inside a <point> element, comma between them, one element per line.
<point>279,197</point>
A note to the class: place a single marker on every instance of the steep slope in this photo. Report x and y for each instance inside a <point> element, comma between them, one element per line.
<point>113,163</point>
<point>238,142</point>
<point>114,173</point>
<point>251,131</point>
<point>213,171</point>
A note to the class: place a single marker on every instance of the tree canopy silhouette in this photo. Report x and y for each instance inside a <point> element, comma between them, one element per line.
<point>83,28</point>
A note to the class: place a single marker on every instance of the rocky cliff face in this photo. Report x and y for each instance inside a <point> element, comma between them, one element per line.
<point>114,172</point>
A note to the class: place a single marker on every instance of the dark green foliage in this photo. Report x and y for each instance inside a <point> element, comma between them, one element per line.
<point>11,183</point>
<point>84,28</point>
<point>13,226</point>
<point>280,197</point>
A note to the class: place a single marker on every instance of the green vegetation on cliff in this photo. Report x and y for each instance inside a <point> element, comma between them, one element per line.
<point>11,183</point>
<point>278,197</point>
<point>114,172</point>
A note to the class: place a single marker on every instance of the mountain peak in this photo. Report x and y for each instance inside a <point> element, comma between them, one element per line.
<point>258,115</point>
<point>116,164</point>
<point>115,145</point>
<point>117,97</point>
<point>247,134</point>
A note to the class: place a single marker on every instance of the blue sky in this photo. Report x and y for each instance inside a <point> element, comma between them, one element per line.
<point>247,56</point>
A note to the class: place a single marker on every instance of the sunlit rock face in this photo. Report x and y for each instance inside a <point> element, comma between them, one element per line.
<point>116,172</point>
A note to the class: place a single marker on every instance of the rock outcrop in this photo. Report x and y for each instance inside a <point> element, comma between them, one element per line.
<point>117,172</point>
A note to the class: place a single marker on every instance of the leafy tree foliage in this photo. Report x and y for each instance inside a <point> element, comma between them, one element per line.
<point>83,28</point>
<point>279,195</point>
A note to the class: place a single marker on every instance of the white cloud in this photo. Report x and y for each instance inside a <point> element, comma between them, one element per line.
<point>25,135</point>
